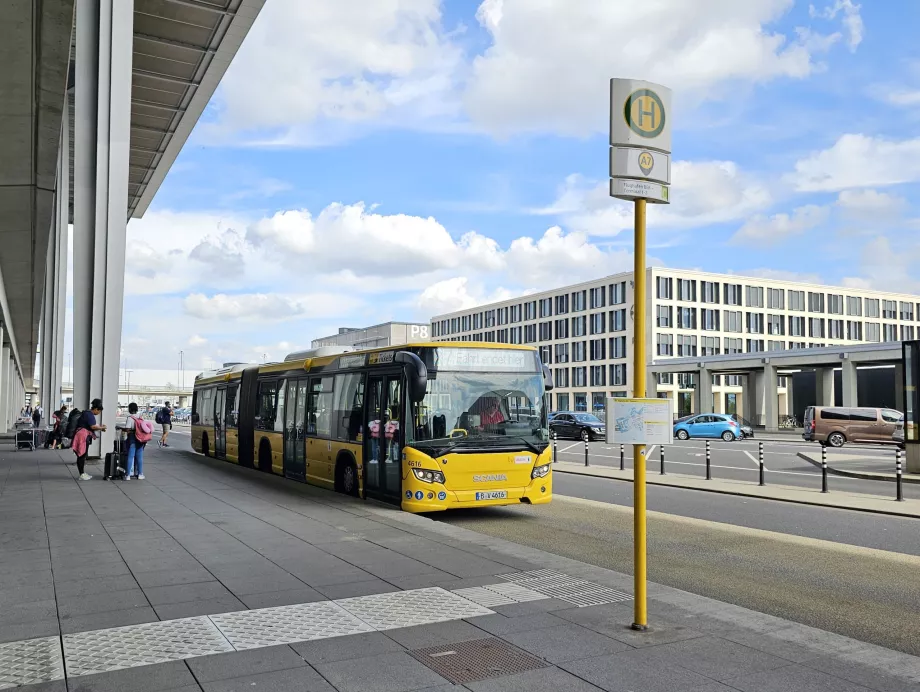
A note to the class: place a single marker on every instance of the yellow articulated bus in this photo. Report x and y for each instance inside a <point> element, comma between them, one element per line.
<point>428,426</point>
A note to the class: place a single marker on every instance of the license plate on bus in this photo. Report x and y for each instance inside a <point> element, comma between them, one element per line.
<point>492,495</point>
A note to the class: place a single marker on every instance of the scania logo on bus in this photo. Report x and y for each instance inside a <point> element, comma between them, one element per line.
<point>488,478</point>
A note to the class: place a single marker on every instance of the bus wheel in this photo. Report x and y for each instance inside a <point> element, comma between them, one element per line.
<point>348,477</point>
<point>204,445</point>
<point>265,455</point>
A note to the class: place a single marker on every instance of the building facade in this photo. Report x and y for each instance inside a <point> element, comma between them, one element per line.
<point>584,332</point>
<point>380,335</point>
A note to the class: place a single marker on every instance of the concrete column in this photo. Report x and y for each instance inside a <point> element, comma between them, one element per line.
<point>757,395</point>
<point>749,408</point>
<point>651,385</point>
<point>913,459</point>
<point>900,404</point>
<point>6,392</point>
<point>101,149</point>
<point>62,234</point>
<point>4,384</point>
<point>703,392</point>
<point>770,398</point>
<point>824,387</point>
<point>718,405</point>
<point>848,382</point>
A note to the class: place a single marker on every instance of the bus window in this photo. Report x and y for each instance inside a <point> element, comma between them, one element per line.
<point>265,415</point>
<point>349,406</point>
<point>319,408</point>
<point>232,412</point>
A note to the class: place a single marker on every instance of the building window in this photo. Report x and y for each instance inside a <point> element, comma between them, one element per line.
<point>854,306</point>
<point>776,325</point>
<point>854,331</point>
<point>562,304</point>
<point>561,377</point>
<point>755,346</point>
<point>907,312</point>
<point>562,329</point>
<point>889,309</point>
<point>546,331</point>
<point>502,316</point>
<point>598,325</point>
<point>733,346</point>
<point>580,326</point>
<point>665,378</point>
<point>618,375</point>
<point>815,302</point>
<point>664,316</point>
<point>598,349</point>
<point>454,325</point>
<point>530,310</point>
<point>776,345</point>
<point>581,401</point>
<point>618,293</point>
<point>562,400</point>
<point>835,304</point>
<point>686,318</point>
<point>516,335</point>
<point>709,292</point>
<point>835,329</point>
<point>754,296</point>
<point>489,337</point>
<point>598,376</point>
<point>665,345</point>
<point>465,323</point>
<point>733,321</point>
<point>579,301</point>
<point>490,318</point>
<point>872,308</point>
<point>816,327</point>
<point>907,332</point>
<point>686,290</point>
<point>562,353</point>
<point>530,333</point>
<point>710,346</point>
<point>889,332</point>
<point>797,301</point>
<point>686,346</point>
<point>618,320</point>
<point>776,299</point>
<point>579,351</point>
<point>503,336</point>
<point>664,287</point>
<point>546,307</point>
<point>797,345</point>
<point>617,347</point>
<point>515,313</point>
<point>873,332</point>
<point>598,297</point>
<point>546,355</point>
<point>579,377</point>
<point>732,294</point>
<point>710,320</point>
<point>754,323</point>
<point>796,326</point>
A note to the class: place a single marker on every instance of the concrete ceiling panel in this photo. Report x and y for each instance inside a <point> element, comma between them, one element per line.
<point>15,147</point>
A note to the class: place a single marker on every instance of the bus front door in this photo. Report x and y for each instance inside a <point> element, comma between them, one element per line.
<point>220,427</point>
<point>383,438</point>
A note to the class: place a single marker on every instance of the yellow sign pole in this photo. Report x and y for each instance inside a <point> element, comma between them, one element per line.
<point>640,570</point>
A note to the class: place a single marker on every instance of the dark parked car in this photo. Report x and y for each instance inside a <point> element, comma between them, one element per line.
<point>583,426</point>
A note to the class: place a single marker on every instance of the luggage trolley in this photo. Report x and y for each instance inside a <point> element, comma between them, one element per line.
<point>25,436</point>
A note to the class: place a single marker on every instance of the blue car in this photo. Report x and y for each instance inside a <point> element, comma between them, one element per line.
<point>712,425</point>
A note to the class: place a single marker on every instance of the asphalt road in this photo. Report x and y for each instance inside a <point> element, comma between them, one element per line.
<point>739,461</point>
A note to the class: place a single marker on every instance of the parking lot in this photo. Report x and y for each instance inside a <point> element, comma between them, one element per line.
<point>739,461</point>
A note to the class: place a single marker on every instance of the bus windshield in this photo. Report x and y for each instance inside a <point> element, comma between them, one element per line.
<point>467,412</point>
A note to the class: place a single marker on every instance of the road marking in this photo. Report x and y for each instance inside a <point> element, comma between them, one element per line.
<point>756,462</point>
<point>570,447</point>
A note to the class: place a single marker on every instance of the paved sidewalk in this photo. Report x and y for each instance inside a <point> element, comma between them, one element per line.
<point>877,504</point>
<point>211,577</point>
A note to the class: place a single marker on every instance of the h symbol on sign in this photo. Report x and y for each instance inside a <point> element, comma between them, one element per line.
<point>649,113</point>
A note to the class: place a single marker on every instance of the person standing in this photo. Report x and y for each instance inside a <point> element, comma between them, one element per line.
<point>58,419</point>
<point>164,418</point>
<point>86,431</point>
<point>139,432</point>
<point>36,416</point>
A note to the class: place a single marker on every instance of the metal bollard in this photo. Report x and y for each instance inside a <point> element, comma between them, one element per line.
<point>900,478</point>
<point>661,457</point>
<point>553,434</point>
<point>586,452</point>
<point>762,479</point>
<point>823,469</point>
<point>708,461</point>
<point>622,458</point>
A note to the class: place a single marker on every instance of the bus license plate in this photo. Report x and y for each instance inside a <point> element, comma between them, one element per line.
<point>492,495</point>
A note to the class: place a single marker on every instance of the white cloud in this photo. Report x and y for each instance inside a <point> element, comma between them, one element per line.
<point>549,62</point>
<point>851,19</point>
<point>265,307</point>
<point>870,204</point>
<point>197,341</point>
<point>703,193</point>
<point>308,61</point>
<point>783,275</point>
<point>763,231</point>
<point>455,294</point>
<point>888,268</point>
<point>903,97</point>
<point>857,160</point>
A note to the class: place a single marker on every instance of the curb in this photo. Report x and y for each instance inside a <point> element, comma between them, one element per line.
<point>862,475</point>
<point>739,493</point>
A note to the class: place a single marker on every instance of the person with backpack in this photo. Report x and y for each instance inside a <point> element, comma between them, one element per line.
<point>164,418</point>
<point>86,431</point>
<point>36,416</point>
<point>139,433</point>
<point>59,420</point>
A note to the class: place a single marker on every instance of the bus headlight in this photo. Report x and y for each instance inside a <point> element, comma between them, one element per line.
<point>540,471</point>
<point>426,476</point>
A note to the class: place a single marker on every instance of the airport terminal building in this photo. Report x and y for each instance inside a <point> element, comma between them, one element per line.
<point>584,331</point>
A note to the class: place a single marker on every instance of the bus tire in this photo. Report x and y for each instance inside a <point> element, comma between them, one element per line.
<point>204,445</point>
<point>265,455</point>
<point>346,475</point>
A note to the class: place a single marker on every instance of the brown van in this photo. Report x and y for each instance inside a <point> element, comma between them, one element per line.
<point>837,425</point>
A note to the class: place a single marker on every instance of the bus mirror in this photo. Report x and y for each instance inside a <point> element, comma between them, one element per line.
<point>416,374</point>
<point>547,379</point>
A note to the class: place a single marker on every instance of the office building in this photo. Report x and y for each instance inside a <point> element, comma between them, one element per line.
<point>378,336</point>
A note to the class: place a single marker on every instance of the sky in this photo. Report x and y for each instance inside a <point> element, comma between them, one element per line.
<point>411,157</point>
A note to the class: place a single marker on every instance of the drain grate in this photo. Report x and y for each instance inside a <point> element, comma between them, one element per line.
<point>479,659</point>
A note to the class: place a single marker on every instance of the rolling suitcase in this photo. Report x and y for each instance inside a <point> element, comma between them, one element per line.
<point>114,467</point>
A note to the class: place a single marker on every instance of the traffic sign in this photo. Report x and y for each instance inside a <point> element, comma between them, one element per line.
<point>648,164</point>
<point>631,190</point>
<point>640,115</point>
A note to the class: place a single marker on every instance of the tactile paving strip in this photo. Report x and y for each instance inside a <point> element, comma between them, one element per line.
<point>499,594</point>
<point>390,611</point>
<point>30,662</point>
<point>479,659</point>
<point>578,592</point>
<point>253,629</point>
<point>102,651</point>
